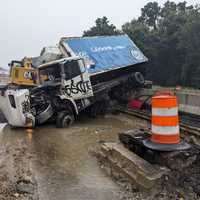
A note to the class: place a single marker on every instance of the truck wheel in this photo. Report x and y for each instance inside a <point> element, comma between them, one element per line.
<point>139,78</point>
<point>103,108</point>
<point>93,111</point>
<point>64,119</point>
<point>99,108</point>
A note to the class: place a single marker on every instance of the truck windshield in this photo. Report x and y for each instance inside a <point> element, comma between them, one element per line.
<point>50,73</point>
<point>72,69</point>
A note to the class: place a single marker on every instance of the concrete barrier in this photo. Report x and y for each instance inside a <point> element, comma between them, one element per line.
<point>188,99</point>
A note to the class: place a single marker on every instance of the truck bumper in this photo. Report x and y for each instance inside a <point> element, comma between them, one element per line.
<point>14,105</point>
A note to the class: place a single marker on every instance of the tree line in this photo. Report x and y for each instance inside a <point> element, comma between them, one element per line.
<point>169,36</point>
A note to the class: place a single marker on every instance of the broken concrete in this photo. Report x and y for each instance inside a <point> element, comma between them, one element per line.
<point>178,173</point>
<point>132,166</point>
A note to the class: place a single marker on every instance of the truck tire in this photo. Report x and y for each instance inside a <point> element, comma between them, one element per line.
<point>98,109</point>
<point>103,108</point>
<point>139,78</point>
<point>64,119</point>
<point>93,111</point>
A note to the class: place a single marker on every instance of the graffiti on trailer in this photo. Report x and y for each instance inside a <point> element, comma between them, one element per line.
<point>75,88</point>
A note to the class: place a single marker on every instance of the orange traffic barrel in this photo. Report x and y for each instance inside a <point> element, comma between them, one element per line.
<point>165,131</point>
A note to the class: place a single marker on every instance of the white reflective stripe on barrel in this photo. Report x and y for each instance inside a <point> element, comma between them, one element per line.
<point>165,111</point>
<point>165,130</point>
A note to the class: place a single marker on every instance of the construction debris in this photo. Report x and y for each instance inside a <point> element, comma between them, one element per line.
<point>152,172</point>
<point>135,168</point>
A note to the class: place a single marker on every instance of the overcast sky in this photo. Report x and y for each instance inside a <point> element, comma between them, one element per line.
<point>28,25</point>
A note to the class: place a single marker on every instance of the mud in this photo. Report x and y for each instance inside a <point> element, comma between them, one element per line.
<point>15,167</point>
<point>56,164</point>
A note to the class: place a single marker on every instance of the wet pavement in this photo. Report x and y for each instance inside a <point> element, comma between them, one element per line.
<point>60,159</point>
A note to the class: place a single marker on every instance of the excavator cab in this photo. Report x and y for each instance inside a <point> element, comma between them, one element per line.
<point>22,73</point>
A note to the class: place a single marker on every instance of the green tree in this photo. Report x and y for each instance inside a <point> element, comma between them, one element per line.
<point>168,9</point>
<point>102,27</point>
<point>137,31</point>
<point>169,36</point>
<point>150,14</point>
<point>189,42</point>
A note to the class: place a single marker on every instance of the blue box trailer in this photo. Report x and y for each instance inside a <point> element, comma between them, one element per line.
<point>104,53</point>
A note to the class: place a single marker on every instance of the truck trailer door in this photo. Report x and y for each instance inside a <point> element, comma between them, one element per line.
<point>76,82</point>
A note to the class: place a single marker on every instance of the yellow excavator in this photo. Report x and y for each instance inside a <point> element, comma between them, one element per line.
<point>22,73</point>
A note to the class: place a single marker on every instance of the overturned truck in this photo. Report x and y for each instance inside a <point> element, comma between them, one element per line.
<point>92,71</point>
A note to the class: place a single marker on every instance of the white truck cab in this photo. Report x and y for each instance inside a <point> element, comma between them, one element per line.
<point>64,90</point>
<point>71,73</point>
